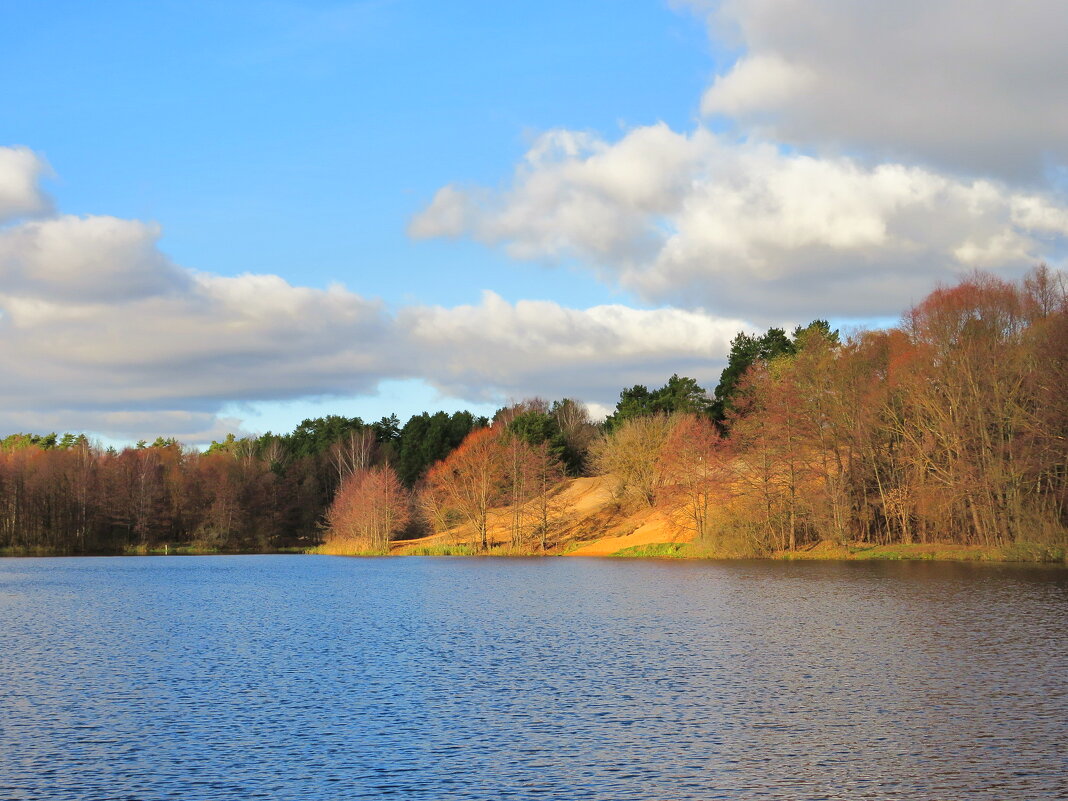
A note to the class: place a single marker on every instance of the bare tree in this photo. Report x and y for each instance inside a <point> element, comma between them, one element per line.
<point>632,455</point>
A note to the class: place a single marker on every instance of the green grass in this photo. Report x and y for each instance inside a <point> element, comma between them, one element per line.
<point>1034,552</point>
<point>469,550</point>
<point>341,550</point>
<point>441,550</point>
<point>33,550</point>
<point>945,552</point>
<point>168,550</point>
<point>657,550</point>
<point>512,550</point>
<point>903,552</point>
<point>137,550</point>
<point>948,552</point>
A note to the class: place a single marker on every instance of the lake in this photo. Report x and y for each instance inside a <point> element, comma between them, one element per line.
<point>309,677</point>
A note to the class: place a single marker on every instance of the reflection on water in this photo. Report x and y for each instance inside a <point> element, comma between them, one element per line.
<point>298,677</point>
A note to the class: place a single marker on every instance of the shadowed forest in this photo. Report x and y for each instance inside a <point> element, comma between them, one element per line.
<point>950,428</point>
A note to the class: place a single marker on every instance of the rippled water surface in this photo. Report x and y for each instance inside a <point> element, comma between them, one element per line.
<point>302,677</point>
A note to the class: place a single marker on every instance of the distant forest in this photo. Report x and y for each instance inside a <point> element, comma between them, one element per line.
<point>952,427</point>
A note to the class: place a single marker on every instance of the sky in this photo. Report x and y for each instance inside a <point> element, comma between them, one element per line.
<point>227,217</point>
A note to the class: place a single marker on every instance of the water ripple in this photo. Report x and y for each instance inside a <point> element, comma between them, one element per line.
<point>322,678</point>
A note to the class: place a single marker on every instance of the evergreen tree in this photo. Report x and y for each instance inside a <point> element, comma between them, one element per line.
<point>746,351</point>
<point>678,395</point>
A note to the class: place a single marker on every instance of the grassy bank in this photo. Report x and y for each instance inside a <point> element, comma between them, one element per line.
<point>139,550</point>
<point>946,552</point>
<point>338,550</point>
<point>1019,552</point>
<point>663,550</point>
<point>824,551</point>
<point>401,548</point>
<point>12,550</point>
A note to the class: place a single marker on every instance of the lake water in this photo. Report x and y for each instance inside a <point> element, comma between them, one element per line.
<point>303,677</point>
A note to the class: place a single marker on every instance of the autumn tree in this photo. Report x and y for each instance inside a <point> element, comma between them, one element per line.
<point>577,431</point>
<point>535,448</point>
<point>765,432</point>
<point>517,460</point>
<point>370,507</point>
<point>969,403</point>
<point>427,439</point>
<point>745,351</point>
<point>631,453</point>
<point>472,479</point>
<point>696,469</point>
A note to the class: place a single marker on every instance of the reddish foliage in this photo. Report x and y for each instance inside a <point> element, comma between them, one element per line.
<point>370,507</point>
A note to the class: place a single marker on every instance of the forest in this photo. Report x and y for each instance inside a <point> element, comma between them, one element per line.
<point>950,427</point>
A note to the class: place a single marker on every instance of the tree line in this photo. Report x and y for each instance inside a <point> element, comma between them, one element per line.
<point>64,494</point>
<point>951,427</point>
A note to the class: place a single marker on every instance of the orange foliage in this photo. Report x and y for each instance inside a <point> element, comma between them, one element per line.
<point>696,468</point>
<point>370,507</point>
<point>472,478</point>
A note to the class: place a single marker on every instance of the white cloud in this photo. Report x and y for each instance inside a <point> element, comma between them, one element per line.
<point>218,339</point>
<point>877,149</point>
<point>169,364</point>
<point>748,230</point>
<point>974,85</point>
<point>101,331</point>
<point>20,192</point>
<point>449,214</point>
<point>768,77</point>
<point>498,349</point>
<point>86,259</point>
<point>571,190</point>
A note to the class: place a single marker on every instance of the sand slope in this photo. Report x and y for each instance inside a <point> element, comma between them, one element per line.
<point>586,520</point>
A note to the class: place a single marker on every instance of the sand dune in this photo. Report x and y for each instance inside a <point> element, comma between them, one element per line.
<point>586,520</point>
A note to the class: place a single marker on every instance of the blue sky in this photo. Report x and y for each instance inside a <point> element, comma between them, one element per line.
<point>299,138</point>
<point>518,198</point>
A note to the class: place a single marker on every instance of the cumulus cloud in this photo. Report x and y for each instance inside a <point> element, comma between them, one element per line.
<point>20,191</point>
<point>747,229</point>
<point>100,331</point>
<point>86,258</point>
<point>222,339</point>
<point>974,85</point>
<point>576,194</point>
<point>168,364</point>
<point>870,151</point>
<point>539,347</point>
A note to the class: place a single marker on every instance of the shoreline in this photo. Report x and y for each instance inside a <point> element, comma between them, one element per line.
<point>1020,553</point>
